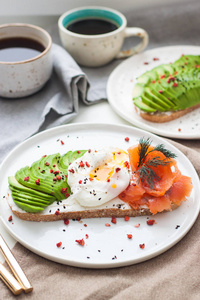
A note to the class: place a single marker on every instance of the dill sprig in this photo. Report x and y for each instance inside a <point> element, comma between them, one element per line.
<point>166,152</point>
<point>157,161</point>
<point>143,148</point>
<point>145,170</point>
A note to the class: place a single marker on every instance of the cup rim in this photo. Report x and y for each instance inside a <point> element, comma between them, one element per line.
<point>96,36</point>
<point>35,57</point>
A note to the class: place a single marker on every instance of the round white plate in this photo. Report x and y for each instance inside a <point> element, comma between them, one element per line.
<point>105,247</point>
<point>123,78</point>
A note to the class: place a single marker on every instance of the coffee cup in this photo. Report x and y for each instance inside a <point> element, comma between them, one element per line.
<point>25,59</point>
<point>94,35</point>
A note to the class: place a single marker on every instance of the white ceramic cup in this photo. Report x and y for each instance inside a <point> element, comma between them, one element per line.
<point>23,78</point>
<point>97,50</point>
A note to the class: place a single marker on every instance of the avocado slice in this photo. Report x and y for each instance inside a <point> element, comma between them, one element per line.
<point>138,90</point>
<point>141,105</point>
<point>69,157</point>
<point>29,208</point>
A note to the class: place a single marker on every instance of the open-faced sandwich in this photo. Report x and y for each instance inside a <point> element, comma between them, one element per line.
<point>168,91</point>
<point>99,183</point>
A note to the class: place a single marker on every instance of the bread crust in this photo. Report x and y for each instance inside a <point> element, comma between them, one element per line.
<point>165,117</point>
<point>88,213</point>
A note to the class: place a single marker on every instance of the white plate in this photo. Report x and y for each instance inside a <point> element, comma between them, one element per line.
<point>120,87</point>
<point>106,247</point>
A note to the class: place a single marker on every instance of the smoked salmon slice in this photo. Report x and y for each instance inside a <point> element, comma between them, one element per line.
<point>156,180</point>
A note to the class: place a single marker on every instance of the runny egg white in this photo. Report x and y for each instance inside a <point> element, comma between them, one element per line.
<point>99,176</point>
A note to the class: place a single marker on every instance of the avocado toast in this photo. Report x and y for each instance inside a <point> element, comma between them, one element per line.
<point>168,91</point>
<point>107,182</point>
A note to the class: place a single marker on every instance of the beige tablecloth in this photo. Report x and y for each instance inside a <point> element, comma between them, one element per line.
<point>173,275</point>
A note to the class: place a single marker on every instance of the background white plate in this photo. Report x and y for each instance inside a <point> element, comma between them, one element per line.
<point>123,78</point>
<point>106,247</point>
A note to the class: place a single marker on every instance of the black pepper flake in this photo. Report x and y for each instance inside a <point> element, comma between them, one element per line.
<point>88,257</point>
<point>99,250</point>
<point>115,257</point>
<point>122,250</point>
<point>63,247</point>
<point>4,196</point>
<point>50,211</point>
<point>177,226</point>
<point>99,199</point>
<point>64,230</point>
<point>64,207</point>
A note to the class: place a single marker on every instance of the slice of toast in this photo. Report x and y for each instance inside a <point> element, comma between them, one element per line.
<point>69,209</point>
<point>159,117</point>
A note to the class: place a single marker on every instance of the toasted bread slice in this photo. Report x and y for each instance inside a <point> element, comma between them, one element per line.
<point>66,210</point>
<point>159,117</point>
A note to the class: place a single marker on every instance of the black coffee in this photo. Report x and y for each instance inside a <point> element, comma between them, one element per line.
<point>19,49</point>
<point>92,26</point>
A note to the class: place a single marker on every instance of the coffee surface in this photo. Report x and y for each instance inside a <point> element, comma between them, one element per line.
<point>92,26</point>
<point>19,49</point>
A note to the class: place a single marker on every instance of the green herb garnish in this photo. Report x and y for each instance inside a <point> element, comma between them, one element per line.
<point>143,148</point>
<point>166,152</point>
<point>145,170</point>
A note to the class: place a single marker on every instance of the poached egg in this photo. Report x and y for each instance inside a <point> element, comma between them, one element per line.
<point>99,176</point>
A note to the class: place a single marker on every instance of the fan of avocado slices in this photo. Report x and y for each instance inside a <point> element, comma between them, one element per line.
<point>169,87</point>
<point>45,181</point>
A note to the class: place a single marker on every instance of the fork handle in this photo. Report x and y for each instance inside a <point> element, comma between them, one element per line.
<point>10,281</point>
<point>15,267</point>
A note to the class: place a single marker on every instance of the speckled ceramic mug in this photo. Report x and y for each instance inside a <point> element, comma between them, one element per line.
<point>25,77</point>
<point>97,50</point>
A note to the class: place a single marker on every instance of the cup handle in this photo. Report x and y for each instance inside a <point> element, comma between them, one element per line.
<point>134,31</point>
